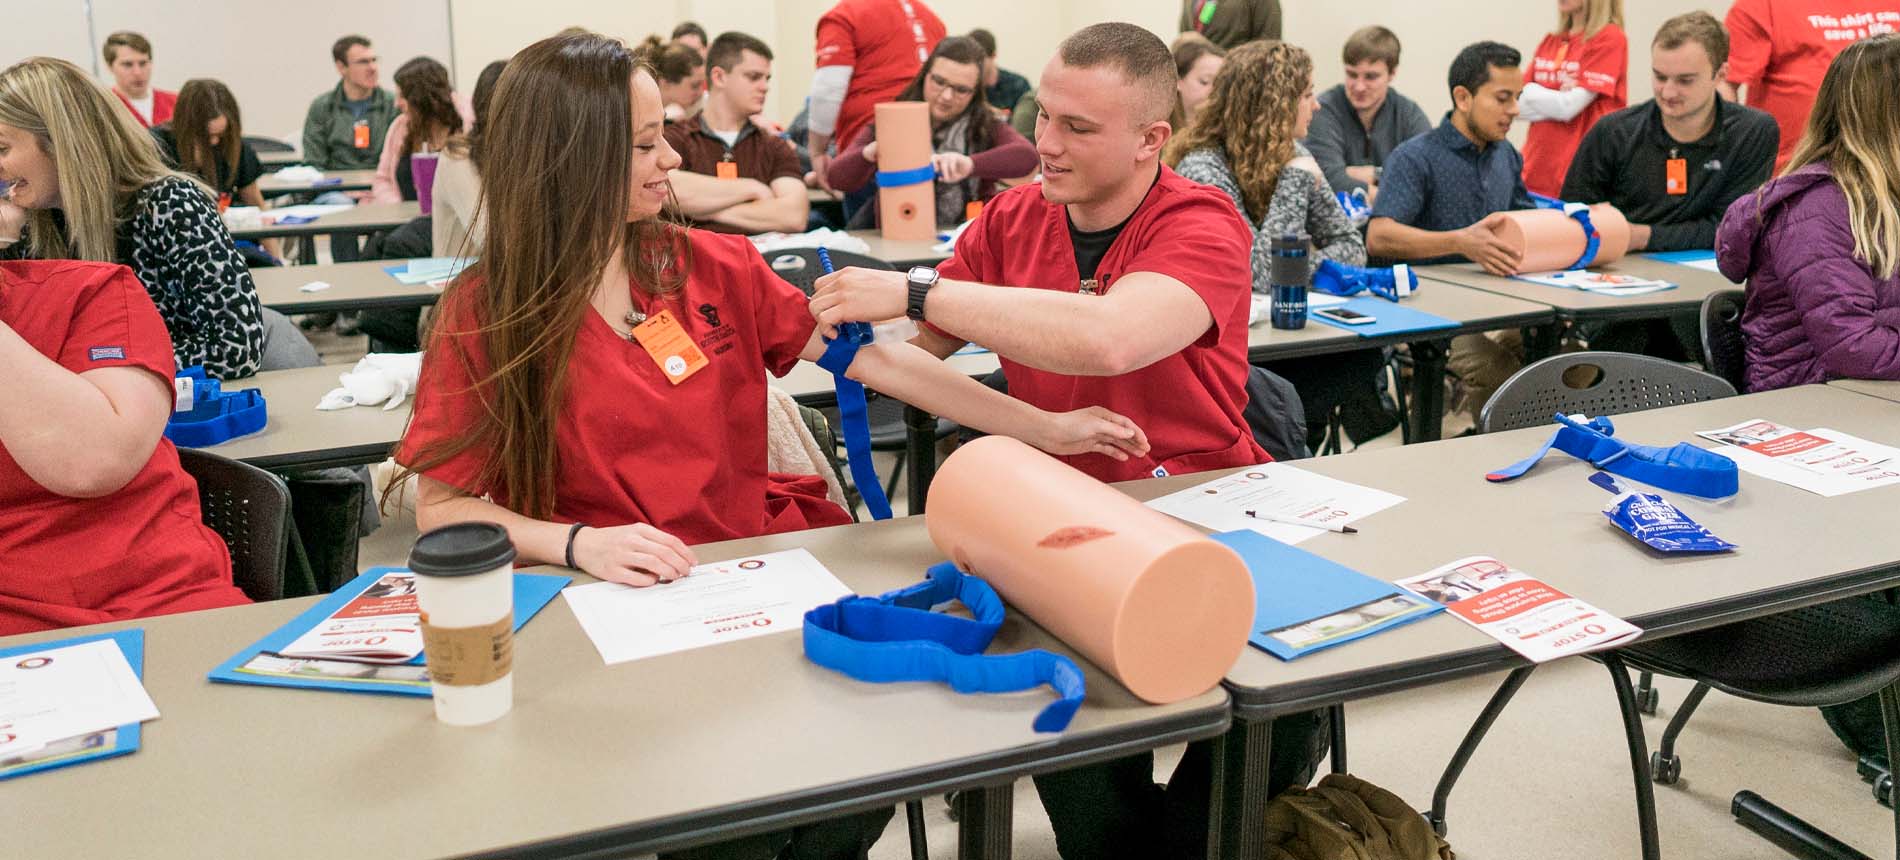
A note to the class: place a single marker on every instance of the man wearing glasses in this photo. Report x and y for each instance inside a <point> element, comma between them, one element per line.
<point>344,128</point>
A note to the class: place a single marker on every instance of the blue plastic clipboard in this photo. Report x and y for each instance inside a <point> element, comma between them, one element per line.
<point>1389,318</point>
<point>1293,588</point>
<point>123,740</point>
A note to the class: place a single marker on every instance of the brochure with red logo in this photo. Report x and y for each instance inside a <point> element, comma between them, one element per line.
<point>1534,619</point>
<point>1822,461</point>
<point>380,625</point>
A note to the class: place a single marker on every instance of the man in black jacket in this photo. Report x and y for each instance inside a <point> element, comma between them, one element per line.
<point>1674,164</point>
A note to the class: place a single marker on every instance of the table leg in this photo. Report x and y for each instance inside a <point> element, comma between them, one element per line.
<point>984,818</point>
<point>1541,341</point>
<point>307,252</point>
<point>1237,820</point>
<point>1428,389</point>
<point>921,451</point>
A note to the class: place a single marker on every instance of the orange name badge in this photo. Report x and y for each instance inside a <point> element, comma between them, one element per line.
<point>972,209</point>
<point>726,170</point>
<point>670,346</point>
<point>1678,176</point>
<point>360,134</point>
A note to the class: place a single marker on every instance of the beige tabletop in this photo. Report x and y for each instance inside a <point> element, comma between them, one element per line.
<point>1473,310</point>
<point>333,180</point>
<point>353,286</point>
<point>819,196</point>
<point>1692,286</point>
<point>366,218</point>
<point>901,254</point>
<point>643,755</point>
<point>299,436</point>
<point>1796,548</point>
<point>1885,389</point>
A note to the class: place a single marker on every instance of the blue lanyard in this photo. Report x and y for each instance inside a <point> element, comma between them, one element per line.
<point>853,412</point>
<point>1682,468</point>
<point>895,637</point>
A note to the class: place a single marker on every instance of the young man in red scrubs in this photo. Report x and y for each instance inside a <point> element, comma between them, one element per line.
<point>98,522</point>
<point>1113,281</point>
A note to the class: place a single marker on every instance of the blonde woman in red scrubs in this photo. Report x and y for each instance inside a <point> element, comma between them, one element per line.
<point>596,383</point>
<point>98,522</point>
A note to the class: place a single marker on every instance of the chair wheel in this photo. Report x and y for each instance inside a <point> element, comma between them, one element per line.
<point>1883,789</point>
<point>1648,700</point>
<point>1665,770</point>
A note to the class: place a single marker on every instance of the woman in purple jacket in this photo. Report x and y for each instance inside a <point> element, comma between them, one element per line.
<point>1820,245</point>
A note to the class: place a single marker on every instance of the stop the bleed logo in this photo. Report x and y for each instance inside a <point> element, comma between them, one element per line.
<point>34,663</point>
<point>1073,536</point>
<point>748,621</point>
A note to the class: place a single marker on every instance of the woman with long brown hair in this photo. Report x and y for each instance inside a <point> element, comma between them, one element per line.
<point>205,138</point>
<point>1819,245</point>
<point>595,382</point>
<point>973,149</point>
<point>431,113</point>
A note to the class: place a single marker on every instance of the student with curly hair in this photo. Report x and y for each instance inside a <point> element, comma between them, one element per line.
<point>431,113</point>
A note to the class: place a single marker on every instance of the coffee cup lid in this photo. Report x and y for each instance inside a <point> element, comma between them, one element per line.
<point>462,549</point>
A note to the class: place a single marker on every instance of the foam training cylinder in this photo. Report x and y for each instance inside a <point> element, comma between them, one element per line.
<point>1550,240</point>
<point>906,212</point>
<point>1155,604</point>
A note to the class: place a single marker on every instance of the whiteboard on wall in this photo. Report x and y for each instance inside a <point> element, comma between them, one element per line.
<point>274,56</point>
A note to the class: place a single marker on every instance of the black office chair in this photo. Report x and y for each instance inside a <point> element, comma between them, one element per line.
<point>800,268</point>
<point>250,509</point>
<point>1724,351</point>
<point>1593,383</point>
<point>267,144</point>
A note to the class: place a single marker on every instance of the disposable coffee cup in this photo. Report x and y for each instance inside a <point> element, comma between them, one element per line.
<point>422,170</point>
<point>465,590</point>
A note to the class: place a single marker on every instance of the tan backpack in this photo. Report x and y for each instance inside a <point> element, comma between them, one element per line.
<point>1347,818</point>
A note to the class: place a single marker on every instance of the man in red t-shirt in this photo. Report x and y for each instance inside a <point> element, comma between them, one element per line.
<point>129,57</point>
<point>1780,49</point>
<point>868,50</point>
<point>1116,282</point>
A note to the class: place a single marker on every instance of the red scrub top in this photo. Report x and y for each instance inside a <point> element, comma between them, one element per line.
<point>1188,403</point>
<point>163,103</point>
<point>688,459</point>
<point>885,42</point>
<point>1599,64</point>
<point>1780,50</point>
<point>143,550</point>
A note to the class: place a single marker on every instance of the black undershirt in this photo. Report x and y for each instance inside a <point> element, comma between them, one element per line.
<point>1092,246</point>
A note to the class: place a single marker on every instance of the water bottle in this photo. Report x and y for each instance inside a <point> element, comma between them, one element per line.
<point>1290,277</point>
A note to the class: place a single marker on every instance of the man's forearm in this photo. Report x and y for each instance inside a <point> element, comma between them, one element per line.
<point>1391,240</point>
<point>781,215</point>
<point>701,196</point>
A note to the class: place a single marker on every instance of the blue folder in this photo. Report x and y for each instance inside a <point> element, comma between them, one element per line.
<point>1693,255</point>
<point>532,592</point>
<point>1293,588</point>
<point>1390,318</point>
<point>121,741</point>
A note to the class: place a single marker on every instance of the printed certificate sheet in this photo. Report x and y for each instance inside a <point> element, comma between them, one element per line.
<point>718,602</point>
<point>50,696</point>
<point>1280,496</point>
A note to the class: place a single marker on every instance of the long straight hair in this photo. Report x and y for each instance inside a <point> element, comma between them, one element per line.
<point>555,218</point>
<point>1595,15</point>
<point>200,101</point>
<point>1250,116</point>
<point>101,155</point>
<point>1854,129</point>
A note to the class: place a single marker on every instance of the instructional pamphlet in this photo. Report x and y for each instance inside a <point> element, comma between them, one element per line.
<point>64,694</point>
<point>718,602</point>
<point>1534,619</point>
<point>380,625</point>
<point>1822,461</point>
<point>1605,283</point>
<point>1280,498</point>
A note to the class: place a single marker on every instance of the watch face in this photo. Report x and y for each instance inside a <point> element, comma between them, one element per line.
<point>923,274</point>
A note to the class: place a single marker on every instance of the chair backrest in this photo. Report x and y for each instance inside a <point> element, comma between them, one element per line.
<point>268,144</point>
<point>1275,415</point>
<point>800,267</point>
<point>1596,383</point>
<point>1724,351</point>
<point>250,509</point>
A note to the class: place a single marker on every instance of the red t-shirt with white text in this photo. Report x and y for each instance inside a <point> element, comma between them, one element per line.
<point>1598,63</point>
<point>885,42</point>
<point>1780,50</point>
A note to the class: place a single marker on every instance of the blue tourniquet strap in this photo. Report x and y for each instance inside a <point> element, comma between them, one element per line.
<point>1543,202</point>
<point>1682,468</point>
<point>853,412</point>
<point>1338,279</point>
<point>1592,240</point>
<point>895,637</point>
<point>900,178</point>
